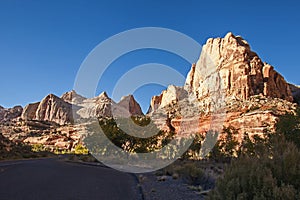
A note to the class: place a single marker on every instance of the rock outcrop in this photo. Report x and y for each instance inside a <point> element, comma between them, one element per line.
<point>29,112</point>
<point>295,92</point>
<point>103,106</point>
<point>71,106</point>
<point>228,63</point>
<point>130,106</point>
<point>8,114</point>
<point>170,96</point>
<point>99,106</point>
<point>51,108</point>
<point>233,87</point>
<point>51,121</point>
<point>228,86</point>
<point>72,97</point>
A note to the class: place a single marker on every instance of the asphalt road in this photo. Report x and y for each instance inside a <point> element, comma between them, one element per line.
<point>52,179</point>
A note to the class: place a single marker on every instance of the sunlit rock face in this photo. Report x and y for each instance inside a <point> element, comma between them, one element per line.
<point>233,87</point>
<point>71,106</point>
<point>72,97</point>
<point>51,108</point>
<point>169,96</point>
<point>52,121</point>
<point>239,70</point>
<point>228,86</point>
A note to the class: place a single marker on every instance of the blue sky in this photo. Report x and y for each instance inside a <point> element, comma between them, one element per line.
<point>43,43</point>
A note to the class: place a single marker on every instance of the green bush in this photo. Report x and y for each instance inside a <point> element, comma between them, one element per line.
<point>226,147</point>
<point>188,171</point>
<point>272,174</point>
<point>289,126</point>
<point>123,139</point>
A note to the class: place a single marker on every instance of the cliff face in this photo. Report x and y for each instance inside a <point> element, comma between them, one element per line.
<point>238,70</point>
<point>29,112</point>
<point>99,106</point>
<point>171,95</point>
<point>228,86</point>
<point>72,97</point>
<point>73,106</point>
<point>51,108</point>
<point>231,77</point>
<point>51,122</point>
<point>129,105</point>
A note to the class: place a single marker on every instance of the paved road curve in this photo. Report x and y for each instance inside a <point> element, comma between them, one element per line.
<point>53,179</point>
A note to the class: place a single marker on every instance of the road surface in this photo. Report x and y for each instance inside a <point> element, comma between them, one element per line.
<point>54,179</point>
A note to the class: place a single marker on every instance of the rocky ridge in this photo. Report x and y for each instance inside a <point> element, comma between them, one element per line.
<point>239,72</point>
<point>62,110</point>
<point>228,86</point>
<point>232,87</point>
<point>51,122</point>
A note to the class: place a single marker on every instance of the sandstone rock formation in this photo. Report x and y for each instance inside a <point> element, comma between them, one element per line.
<point>256,115</point>
<point>72,97</point>
<point>130,106</point>
<point>103,106</point>
<point>171,95</point>
<point>8,114</point>
<point>29,111</point>
<point>227,74</point>
<point>54,109</point>
<point>73,106</point>
<point>228,86</point>
<point>99,106</point>
<point>238,71</point>
<point>50,122</point>
<point>51,108</point>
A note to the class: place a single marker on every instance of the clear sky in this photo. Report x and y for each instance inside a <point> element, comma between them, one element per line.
<point>43,43</point>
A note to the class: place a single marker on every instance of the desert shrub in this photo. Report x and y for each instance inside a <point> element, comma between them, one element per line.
<point>80,149</point>
<point>274,173</point>
<point>191,173</point>
<point>124,140</point>
<point>37,148</point>
<point>187,170</point>
<point>194,151</point>
<point>289,126</point>
<point>254,146</point>
<point>226,146</point>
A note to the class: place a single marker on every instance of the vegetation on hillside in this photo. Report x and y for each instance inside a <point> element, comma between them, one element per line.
<point>265,168</point>
<point>10,150</point>
<point>256,168</point>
